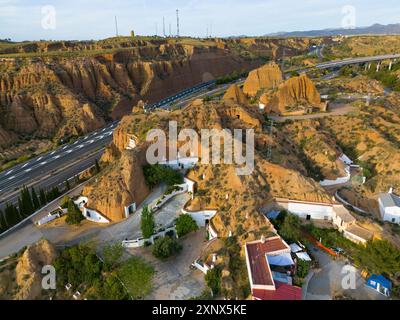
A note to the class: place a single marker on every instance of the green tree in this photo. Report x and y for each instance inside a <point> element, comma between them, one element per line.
<point>380,256</point>
<point>303,267</point>
<point>185,224</point>
<point>11,215</point>
<point>136,274</point>
<point>64,202</point>
<point>147,223</point>
<point>97,166</point>
<point>112,254</point>
<point>35,199</point>
<point>213,280</point>
<point>290,228</point>
<point>67,185</point>
<point>113,289</point>
<point>3,222</point>
<point>74,215</point>
<point>166,247</point>
<point>26,206</point>
<point>42,197</point>
<point>155,174</point>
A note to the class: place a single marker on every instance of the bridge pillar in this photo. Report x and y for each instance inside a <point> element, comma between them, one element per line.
<point>378,67</point>
<point>390,65</point>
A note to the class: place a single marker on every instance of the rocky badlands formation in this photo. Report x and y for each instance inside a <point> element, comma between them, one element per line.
<point>266,77</point>
<point>297,95</point>
<point>27,273</point>
<point>61,89</point>
<point>123,181</point>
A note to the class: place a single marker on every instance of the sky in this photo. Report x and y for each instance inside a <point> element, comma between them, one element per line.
<point>95,19</point>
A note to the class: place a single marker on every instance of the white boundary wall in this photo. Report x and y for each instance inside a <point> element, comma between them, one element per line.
<point>201,216</point>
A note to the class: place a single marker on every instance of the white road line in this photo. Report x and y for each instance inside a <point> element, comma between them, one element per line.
<point>24,165</point>
<point>39,159</point>
<point>27,170</point>
<point>43,163</point>
<point>56,157</point>
<point>52,153</point>
<point>9,172</point>
<point>12,177</point>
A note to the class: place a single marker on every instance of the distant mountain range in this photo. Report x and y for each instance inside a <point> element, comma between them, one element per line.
<point>374,29</point>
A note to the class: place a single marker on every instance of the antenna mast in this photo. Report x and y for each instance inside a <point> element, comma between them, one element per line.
<point>177,23</point>
<point>163,22</point>
<point>116,26</point>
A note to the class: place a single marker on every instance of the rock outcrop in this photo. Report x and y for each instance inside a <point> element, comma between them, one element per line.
<point>235,94</point>
<point>29,269</point>
<point>295,95</point>
<point>120,186</point>
<point>267,77</point>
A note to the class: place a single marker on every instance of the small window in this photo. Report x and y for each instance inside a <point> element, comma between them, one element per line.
<point>393,220</point>
<point>373,283</point>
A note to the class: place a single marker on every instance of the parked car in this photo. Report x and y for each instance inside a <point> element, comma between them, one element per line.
<point>338,250</point>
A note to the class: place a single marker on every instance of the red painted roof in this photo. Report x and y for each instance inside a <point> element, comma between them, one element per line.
<point>256,251</point>
<point>283,292</point>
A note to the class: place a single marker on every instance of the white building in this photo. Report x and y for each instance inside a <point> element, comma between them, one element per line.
<point>389,206</point>
<point>307,210</point>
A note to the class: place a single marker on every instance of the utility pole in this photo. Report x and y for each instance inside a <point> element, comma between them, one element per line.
<point>163,22</point>
<point>170,30</point>
<point>116,26</point>
<point>177,23</point>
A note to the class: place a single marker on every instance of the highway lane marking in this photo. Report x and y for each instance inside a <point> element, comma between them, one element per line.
<point>39,159</point>
<point>25,165</point>
<point>12,177</point>
<point>9,172</point>
<point>27,170</point>
<point>56,157</point>
<point>52,153</point>
<point>43,163</point>
<point>68,151</point>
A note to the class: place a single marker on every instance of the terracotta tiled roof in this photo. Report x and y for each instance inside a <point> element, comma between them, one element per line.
<point>283,292</point>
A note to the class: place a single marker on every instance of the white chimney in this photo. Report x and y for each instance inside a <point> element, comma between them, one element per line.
<point>263,239</point>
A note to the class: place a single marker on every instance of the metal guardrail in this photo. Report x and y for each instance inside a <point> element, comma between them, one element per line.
<point>179,95</point>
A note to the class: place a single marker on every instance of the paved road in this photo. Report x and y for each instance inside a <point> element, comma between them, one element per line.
<point>326,282</point>
<point>334,110</point>
<point>345,62</point>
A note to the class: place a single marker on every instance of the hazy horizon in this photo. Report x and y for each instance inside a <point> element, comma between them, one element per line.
<point>88,19</point>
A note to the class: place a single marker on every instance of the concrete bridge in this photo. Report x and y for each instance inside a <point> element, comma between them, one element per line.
<point>361,60</point>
